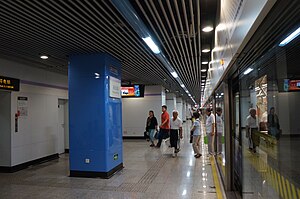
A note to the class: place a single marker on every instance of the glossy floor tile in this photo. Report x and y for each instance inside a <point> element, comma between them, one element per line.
<point>148,173</point>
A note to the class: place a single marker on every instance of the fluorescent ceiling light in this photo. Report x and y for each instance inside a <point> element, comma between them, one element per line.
<point>189,95</point>
<point>221,27</point>
<point>203,80</point>
<point>97,76</point>
<point>152,45</point>
<point>248,71</point>
<point>205,50</point>
<point>174,74</point>
<point>207,29</point>
<point>222,93</point>
<point>290,37</point>
<point>203,70</point>
<point>205,62</point>
<point>182,85</point>
<point>44,57</point>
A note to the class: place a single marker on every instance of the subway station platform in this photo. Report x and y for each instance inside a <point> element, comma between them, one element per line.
<point>148,173</point>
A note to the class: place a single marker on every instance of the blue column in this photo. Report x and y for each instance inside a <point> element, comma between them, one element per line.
<point>95,112</point>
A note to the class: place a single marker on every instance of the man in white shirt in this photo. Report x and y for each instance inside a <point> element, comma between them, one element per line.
<point>219,129</point>
<point>210,130</point>
<point>251,129</point>
<point>175,129</point>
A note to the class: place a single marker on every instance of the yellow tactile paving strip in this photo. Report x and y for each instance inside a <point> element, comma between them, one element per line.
<point>283,186</point>
<point>216,179</point>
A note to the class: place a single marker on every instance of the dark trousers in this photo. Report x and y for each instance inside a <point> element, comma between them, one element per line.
<point>254,138</point>
<point>174,138</point>
<point>163,134</point>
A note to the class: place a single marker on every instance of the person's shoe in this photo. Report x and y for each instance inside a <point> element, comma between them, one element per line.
<point>250,148</point>
<point>198,156</point>
<point>176,150</point>
<point>152,145</point>
<point>157,146</point>
<point>254,150</point>
<point>173,155</point>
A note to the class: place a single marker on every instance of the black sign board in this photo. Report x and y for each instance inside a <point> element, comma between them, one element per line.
<point>11,84</point>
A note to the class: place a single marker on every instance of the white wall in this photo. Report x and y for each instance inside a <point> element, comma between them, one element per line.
<point>25,72</point>
<point>136,110</point>
<point>163,97</point>
<point>188,110</point>
<point>288,111</point>
<point>179,107</point>
<point>5,138</point>
<point>183,111</point>
<point>171,102</point>
<point>38,132</point>
<point>244,108</point>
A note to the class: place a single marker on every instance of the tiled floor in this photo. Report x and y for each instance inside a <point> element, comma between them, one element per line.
<point>148,173</point>
<point>272,172</point>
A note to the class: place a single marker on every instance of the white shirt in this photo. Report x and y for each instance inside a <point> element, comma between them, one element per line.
<point>209,122</point>
<point>264,117</point>
<point>251,122</point>
<point>197,126</point>
<point>219,122</point>
<point>175,124</point>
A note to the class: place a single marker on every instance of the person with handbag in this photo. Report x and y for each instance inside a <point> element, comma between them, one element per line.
<point>175,131</point>
<point>151,126</point>
<point>164,128</point>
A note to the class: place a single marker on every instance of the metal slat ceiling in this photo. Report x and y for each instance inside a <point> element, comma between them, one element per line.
<point>59,28</point>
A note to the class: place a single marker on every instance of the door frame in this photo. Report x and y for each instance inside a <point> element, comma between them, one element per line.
<point>234,84</point>
<point>64,102</point>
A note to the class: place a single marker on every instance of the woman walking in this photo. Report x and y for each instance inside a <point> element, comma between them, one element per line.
<point>151,126</point>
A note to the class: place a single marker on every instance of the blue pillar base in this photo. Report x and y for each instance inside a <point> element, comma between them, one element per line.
<point>94,174</point>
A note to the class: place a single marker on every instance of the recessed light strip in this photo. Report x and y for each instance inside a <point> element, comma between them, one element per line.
<point>44,57</point>
<point>248,71</point>
<point>125,8</point>
<point>151,45</point>
<point>290,38</point>
<point>207,29</point>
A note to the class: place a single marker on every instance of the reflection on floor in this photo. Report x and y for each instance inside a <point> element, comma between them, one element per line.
<point>273,172</point>
<point>148,173</point>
